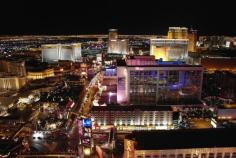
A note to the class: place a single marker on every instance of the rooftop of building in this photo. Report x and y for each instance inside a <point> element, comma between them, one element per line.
<point>112,29</point>
<point>140,57</point>
<point>184,139</point>
<point>169,40</point>
<point>36,66</point>
<point>158,63</point>
<point>178,28</point>
<point>131,108</point>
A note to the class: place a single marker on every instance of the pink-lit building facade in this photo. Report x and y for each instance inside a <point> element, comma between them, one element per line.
<point>143,80</point>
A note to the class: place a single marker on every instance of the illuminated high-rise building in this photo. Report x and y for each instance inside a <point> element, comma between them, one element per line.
<point>175,47</point>
<point>184,33</point>
<point>192,37</point>
<point>12,74</point>
<point>178,33</point>
<point>54,52</point>
<point>118,46</point>
<point>169,49</point>
<point>142,81</point>
<point>115,45</point>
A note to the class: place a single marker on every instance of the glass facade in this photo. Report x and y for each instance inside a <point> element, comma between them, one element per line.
<point>143,86</point>
<point>164,86</point>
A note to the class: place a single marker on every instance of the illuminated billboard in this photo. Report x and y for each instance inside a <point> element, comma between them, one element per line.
<point>87,123</point>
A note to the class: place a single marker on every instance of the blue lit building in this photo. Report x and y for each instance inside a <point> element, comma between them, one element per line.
<point>110,71</point>
<point>140,80</point>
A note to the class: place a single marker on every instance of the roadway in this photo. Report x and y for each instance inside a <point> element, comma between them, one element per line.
<point>91,90</point>
<point>85,105</point>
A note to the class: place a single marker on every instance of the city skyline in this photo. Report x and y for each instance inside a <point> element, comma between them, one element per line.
<point>88,96</point>
<point>130,17</point>
<point>117,78</point>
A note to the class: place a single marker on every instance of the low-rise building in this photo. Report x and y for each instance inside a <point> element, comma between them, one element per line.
<point>40,74</point>
<point>12,82</point>
<point>194,143</point>
<point>129,118</point>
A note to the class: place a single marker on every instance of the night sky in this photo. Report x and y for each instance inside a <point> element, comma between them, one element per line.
<point>129,16</point>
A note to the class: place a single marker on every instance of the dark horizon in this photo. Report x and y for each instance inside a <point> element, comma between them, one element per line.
<point>129,17</point>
